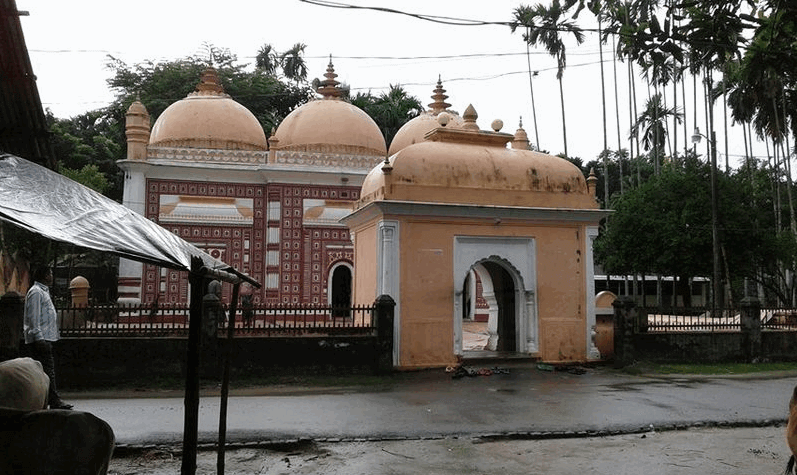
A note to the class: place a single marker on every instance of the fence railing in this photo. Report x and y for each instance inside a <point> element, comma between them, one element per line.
<point>171,320</point>
<point>665,320</point>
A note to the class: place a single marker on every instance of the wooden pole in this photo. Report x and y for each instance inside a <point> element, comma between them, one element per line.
<point>191,402</point>
<point>225,381</point>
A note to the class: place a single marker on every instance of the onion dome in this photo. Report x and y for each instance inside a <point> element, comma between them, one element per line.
<point>465,165</point>
<point>329,125</point>
<point>416,129</point>
<point>208,118</point>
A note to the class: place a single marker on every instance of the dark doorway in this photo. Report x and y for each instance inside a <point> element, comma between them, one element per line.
<point>341,291</point>
<point>504,288</point>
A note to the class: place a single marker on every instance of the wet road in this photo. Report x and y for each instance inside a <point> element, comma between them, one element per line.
<point>432,404</point>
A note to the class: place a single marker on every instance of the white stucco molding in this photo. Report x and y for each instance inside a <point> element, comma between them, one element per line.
<point>592,350</point>
<point>388,275</point>
<point>453,210</point>
<point>518,255</point>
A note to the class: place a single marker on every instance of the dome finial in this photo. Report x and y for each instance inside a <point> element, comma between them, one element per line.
<point>439,96</point>
<point>329,86</point>
<point>209,82</point>
<point>470,117</point>
<point>521,139</point>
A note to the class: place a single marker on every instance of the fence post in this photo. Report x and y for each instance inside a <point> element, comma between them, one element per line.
<point>384,306</point>
<point>624,316</point>
<point>212,316</point>
<point>12,308</point>
<point>750,319</point>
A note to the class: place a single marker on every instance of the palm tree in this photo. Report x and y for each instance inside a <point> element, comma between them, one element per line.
<point>548,33</point>
<point>652,122</point>
<point>266,59</point>
<point>390,110</point>
<point>395,108</point>
<point>292,63</point>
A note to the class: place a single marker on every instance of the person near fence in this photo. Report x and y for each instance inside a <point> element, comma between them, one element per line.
<point>40,329</point>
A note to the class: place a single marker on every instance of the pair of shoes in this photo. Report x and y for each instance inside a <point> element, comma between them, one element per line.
<point>61,405</point>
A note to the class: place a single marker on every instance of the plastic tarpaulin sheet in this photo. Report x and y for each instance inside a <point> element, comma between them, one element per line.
<point>47,203</point>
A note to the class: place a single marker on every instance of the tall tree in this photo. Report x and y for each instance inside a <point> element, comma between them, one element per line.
<point>546,26</point>
<point>652,126</point>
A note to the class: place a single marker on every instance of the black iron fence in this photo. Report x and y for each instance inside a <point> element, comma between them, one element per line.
<point>171,320</point>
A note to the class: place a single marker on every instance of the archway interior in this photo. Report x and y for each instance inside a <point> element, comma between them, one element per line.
<point>341,291</point>
<point>489,326</point>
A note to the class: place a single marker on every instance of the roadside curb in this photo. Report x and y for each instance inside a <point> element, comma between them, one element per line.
<point>129,450</point>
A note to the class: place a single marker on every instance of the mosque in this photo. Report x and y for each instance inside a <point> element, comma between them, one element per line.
<point>455,223</point>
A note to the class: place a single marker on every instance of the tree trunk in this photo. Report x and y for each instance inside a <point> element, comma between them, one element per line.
<point>564,126</point>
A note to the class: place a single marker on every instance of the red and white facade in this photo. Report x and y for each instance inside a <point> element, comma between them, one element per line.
<point>271,209</point>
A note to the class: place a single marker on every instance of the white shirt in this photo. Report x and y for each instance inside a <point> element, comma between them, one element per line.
<point>41,322</point>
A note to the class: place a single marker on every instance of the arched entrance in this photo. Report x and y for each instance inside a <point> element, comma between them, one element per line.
<point>498,333</point>
<point>339,289</point>
<point>505,271</point>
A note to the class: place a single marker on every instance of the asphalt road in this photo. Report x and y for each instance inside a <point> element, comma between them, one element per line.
<point>526,403</point>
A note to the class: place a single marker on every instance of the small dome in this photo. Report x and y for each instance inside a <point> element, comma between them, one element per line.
<point>330,125</point>
<point>137,108</point>
<point>416,129</point>
<point>208,118</point>
<point>79,282</point>
<point>469,166</point>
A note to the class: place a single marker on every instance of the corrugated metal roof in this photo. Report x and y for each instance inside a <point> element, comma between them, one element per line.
<point>23,127</point>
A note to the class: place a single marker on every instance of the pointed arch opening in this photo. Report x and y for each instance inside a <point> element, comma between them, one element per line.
<point>495,297</point>
<point>339,289</point>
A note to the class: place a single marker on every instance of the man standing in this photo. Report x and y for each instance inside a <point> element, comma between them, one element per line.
<point>41,329</point>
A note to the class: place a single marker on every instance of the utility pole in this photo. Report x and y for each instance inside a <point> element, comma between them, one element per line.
<point>716,280</point>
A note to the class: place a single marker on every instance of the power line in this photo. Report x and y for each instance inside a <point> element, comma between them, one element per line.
<point>433,18</point>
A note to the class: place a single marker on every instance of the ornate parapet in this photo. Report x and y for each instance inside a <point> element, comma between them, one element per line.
<point>326,159</point>
<point>207,155</point>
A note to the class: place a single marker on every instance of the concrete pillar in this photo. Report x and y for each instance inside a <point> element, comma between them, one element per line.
<point>12,309</point>
<point>79,287</point>
<point>625,313</point>
<point>751,329</point>
<point>383,318</point>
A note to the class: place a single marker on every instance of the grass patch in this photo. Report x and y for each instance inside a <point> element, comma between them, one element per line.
<point>709,369</point>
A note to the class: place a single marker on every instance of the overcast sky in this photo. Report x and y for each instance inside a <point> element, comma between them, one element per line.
<point>486,66</point>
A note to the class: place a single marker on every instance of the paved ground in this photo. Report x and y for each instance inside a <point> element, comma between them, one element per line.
<point>524,421</point>
<point>737,451</point>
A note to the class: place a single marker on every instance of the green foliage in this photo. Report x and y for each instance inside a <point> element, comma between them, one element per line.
<point>89,176</point>
<point>90,139</point>
<point>97,137</point>
<point>158,85</point>
<point>390,110</point>
<point>663,226</point>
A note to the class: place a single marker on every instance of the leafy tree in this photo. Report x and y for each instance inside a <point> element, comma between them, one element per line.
<point>97,137</point>
<point>93,140</point>
<point>390,110</point>
<point>663,226</point>
<point>158,85</point>
<point>89,176</point>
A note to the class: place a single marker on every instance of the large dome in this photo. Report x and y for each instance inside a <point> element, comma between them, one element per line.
<point>329,125</point>
<point>208,118</point>
<point>416,129</point>
<point>464,165</point>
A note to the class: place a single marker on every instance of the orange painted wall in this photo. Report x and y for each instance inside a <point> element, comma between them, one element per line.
<point>427,282</point>
<point>365,270</point>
